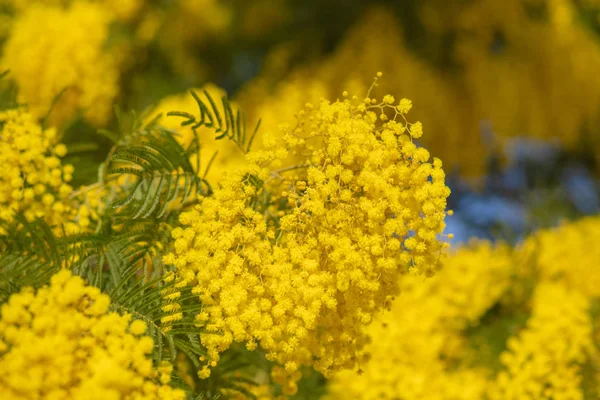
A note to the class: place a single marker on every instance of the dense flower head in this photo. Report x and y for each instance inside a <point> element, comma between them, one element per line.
<point>301,262</point>
<point>53,52</point>
<point>35,182</point>
<point>61,343</point>
<point>228,155</point>
<point>416,347</point>
<point>33,179</point>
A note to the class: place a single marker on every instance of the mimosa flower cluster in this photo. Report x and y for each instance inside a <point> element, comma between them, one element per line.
<point>34,180</point>
<point>62,343</point>
<point>57,58</point>
<point>301,263</point>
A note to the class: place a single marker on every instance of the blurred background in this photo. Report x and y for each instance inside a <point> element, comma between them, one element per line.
<point>508,91</point>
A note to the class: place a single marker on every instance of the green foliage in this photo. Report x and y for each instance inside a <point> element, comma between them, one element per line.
<point>31,254</point>
<point>8,92</point>
<point>162,171</point>
<point>226,123</point>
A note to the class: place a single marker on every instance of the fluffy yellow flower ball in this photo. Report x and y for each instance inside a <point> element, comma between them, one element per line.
<point>60,343</point>
<point>51,50</point>
<point>301,261</point>
<point>35,182</point>
<point>33,179</point>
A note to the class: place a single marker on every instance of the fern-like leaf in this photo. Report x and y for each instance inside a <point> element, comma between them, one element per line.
<point>163,173</point>
<point>225,122</point>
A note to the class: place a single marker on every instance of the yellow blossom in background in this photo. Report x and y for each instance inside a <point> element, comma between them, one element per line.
<point>185,370</point>
<point>544,360</point>
<point>376,41</point>
<point>569,254</point>
<point>263,16</point>
<point>123,10</point>
<point>228,156</point>
<point>189,24</point>
<point>541,81</point>
<point>120,9</point>
<point>514,75</point>
<point>20,5</point>
<point>302,276</point>
<point>62,343</point>
<point>212,16</point>
<point>417,348</point>
<point>424,349</point>
<point>52,51</point>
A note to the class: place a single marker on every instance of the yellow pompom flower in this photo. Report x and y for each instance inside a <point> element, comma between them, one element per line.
<point>53,51</point>
<point>62,343</point>
<point>303,274</point>
<point>35,182</point>
<point>33,179</point>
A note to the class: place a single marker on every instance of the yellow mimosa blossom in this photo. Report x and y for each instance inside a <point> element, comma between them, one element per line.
<point>62,343</point>
<point>35,182</point>
<point>303,274</point>
<point>60,52</point>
